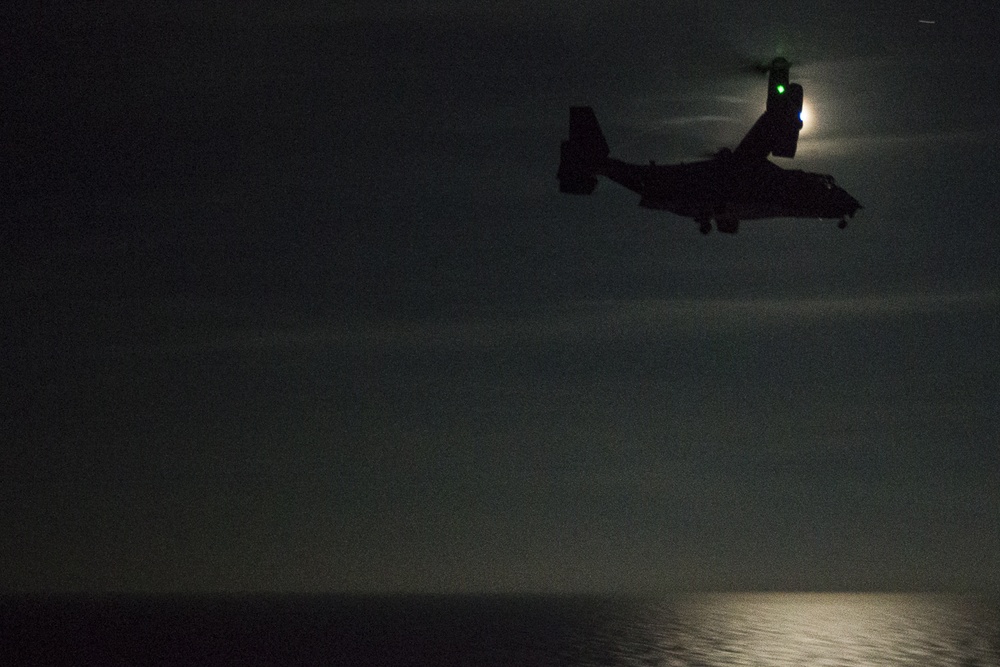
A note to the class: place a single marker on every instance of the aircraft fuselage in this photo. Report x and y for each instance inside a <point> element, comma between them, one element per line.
<point>728,188</point>
<point>740,184</point>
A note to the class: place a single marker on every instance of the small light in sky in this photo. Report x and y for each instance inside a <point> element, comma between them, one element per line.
<point>926,22</point>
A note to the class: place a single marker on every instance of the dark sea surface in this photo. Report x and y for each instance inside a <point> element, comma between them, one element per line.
<point>708,629</point>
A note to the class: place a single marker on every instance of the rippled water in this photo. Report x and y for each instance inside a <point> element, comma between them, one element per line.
<point>760,630</point>
<point>782,630</point>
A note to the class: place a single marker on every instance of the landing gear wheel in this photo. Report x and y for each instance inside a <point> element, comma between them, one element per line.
<point>842,224</point>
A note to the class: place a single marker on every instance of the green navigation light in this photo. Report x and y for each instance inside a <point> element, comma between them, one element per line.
<point>781,89</point>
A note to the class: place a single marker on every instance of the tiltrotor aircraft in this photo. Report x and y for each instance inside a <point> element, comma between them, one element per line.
<point>734,185</point>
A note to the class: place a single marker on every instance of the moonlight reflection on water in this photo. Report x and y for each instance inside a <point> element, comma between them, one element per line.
<point>782,630</point>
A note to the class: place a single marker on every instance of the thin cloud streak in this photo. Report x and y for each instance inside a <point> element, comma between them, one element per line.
<point>846,145</point>
<point>693,120</point>
<point>592,322</point>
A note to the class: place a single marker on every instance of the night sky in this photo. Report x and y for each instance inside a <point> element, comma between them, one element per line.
<point>292,302</point>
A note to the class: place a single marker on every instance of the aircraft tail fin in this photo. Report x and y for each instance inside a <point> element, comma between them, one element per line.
<point>584,154</point>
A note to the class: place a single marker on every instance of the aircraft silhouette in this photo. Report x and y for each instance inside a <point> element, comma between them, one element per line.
<point>734,185</point>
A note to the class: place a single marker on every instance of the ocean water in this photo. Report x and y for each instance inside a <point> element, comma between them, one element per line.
<point>777,630</point>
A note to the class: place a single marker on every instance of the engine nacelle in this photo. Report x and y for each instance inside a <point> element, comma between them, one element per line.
<point>789,121</point>
<point>777,83</point>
